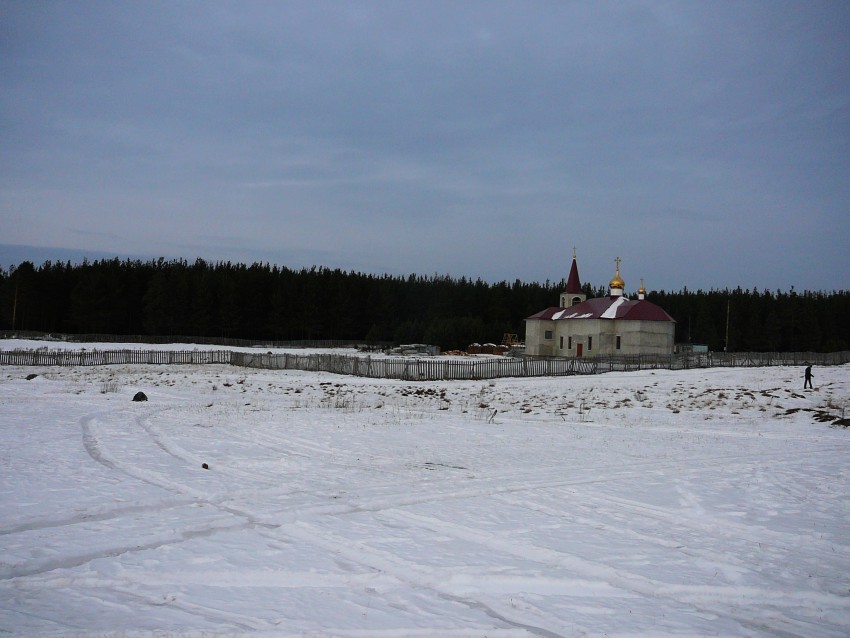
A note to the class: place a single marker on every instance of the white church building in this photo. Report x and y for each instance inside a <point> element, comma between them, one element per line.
<point>612,325</point>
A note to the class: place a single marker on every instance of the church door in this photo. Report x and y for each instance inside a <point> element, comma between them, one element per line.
<point>578,349</point>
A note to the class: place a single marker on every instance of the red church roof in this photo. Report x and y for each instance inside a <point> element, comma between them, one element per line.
<point>607,308</point>
<point>573,283</point>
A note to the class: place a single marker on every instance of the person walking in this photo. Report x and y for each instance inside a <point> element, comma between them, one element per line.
<point>808,382</point>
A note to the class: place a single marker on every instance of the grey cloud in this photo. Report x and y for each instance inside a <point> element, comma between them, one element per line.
<point>532,127</point>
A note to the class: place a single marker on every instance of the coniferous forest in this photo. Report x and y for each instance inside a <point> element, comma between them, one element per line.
<point>271,303</point>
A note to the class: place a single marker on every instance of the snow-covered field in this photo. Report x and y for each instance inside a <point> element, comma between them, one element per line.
<point>704,502</point>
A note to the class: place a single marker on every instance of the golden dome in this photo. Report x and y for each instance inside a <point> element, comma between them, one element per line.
<point>641,290</point>
<point>617,282</point>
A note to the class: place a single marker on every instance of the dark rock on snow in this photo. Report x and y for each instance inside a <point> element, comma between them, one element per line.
<point>140,396</point>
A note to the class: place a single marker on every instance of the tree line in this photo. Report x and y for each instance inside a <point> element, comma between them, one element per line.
<point>274,303</point>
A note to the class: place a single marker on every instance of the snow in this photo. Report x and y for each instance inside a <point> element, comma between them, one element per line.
<point>611,311</point>
<point>655,503</point>
<point>562,315</point>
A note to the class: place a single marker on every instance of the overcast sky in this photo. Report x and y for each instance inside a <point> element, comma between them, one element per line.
<point>705,143</point>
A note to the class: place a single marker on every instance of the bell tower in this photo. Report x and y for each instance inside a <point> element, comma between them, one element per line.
<point>573,293</point>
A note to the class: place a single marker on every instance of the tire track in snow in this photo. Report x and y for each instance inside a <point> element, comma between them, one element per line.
<point>419,576</point>
<point>95,515</point>
<point>224,499</point>
<point>228,623</point>
<point>538,479</point>
<point>722,601</point>
<point>285,444</point>
<point>687,552</point>
<point>336,457</point>
<point>488,485</point>
<point>178,452</point>
<point>756,535</point>
<point>93,440</point>
<point>70,559</point>
<point>596,522</point>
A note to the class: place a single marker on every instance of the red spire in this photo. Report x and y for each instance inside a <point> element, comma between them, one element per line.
<point>573,282</point>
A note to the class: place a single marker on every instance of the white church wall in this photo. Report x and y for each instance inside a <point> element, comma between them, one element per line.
<point>578,335</point>
<point>645,337</point>
<point>536,343</point>
<point>598,337</point>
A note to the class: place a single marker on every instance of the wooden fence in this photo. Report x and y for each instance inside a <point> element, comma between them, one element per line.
<point>684,361</point>
<point>110,357</point>
<point>418,369</point>
<point>363,366</point>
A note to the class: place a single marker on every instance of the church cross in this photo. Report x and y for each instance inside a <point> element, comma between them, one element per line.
<point>617,261</point>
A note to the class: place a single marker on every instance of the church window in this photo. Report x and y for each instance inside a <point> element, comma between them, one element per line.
<point>548,335</point>
<point>562,343</point>
<point>569,343</point>
<point>618,342</point>
<point>590,343</point>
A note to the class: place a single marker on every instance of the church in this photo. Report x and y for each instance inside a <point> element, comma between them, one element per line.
<point>612,325</point>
